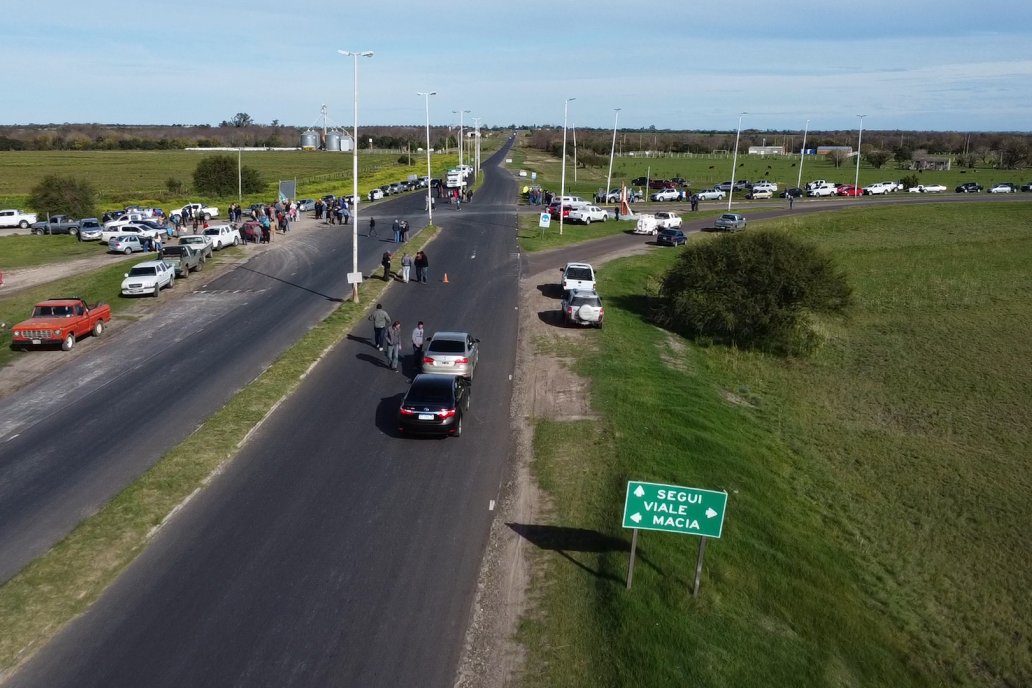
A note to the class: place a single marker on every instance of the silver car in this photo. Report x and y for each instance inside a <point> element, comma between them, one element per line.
<point>451,353</point>
<point>730,221</point>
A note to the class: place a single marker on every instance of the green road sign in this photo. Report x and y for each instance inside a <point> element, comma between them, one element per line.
<point>685,510</point>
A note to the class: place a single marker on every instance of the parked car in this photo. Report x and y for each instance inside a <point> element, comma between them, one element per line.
<point>588,214</point>
<point>577,276</point>
<point>876,189</point>
<point>758,194</point>
<point>1003,187</point>
<point>582,307</point>
<point>639,181</point>
<point>793,192</point>
<point>375,195</point>
<point>60,321</point>
<point>55,224</point>
<point>713,194</point>
<point>825,189</point>
<point>451,353</point>
<point>665,219</point>
<point>90,229</point>
<point>730,221</point>
<point>434,405</point>
<point>670,237</point>
<point>969,187</point>
<point>667,194</point>
<point>127,243</point>
<point>148,278</point>
<point>553,210</point>
<point>612,196</point>
<point>1026,187</point>
<point>183,258</point>
<point>849,190</point>
<point>198,242</point>
<point>16,218</point>
<point>306,205</point>
<point>222,236</point>
<point>724,186</point>
<point>927,188</point>
<point>764,184</point>
<point>646,224</point>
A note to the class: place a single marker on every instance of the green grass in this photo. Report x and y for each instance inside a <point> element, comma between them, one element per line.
<point>60,585</point>
<point>531,238</point>
<point>878,512</point>
<point>27,250</point>
<point>124,177</point>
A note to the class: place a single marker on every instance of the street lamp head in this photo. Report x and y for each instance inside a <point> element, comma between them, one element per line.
<point>425,93</point>
<point>354,53</point>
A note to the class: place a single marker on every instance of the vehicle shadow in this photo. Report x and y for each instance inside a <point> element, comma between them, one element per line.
<point>387,415</point>
<point>551,290</point>
<point>565,540</point>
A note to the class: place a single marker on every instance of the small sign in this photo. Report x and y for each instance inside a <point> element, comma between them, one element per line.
<point>545,221</point>
<point>533,176</point>
<point>674,509</point>
<point>354,278</point>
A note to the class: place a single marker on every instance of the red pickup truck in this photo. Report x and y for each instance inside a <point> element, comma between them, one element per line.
<point>60,321</point>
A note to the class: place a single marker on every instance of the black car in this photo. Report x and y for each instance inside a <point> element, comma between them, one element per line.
<point>969,187</point>
<point>434,405</point>
<point>670,237</point>
<point>794,192</point>
<point>639,181</point>
<point>1026,187</point>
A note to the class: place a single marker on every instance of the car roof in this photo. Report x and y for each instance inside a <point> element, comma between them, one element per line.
<point>432,381</point>
<point>579,265</point>
<point>460,336</point>
<point>583,292</point>
<point>149,264</point>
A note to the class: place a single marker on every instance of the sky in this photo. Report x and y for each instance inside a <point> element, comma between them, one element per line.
<point>950,65</point>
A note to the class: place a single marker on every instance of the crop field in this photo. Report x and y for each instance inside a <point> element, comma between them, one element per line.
<point>123,177</point>
<point>878,527</point>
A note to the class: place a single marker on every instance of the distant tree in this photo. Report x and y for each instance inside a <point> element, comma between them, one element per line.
<point>55,194</point>
<point>217,175</point>
<point>878,158</point>
<point>838,157</point>
<point>275,123</point>
<point>241,119</point>
<point>175,186</point>
<point>1015,155</point>
<point>903,154</point>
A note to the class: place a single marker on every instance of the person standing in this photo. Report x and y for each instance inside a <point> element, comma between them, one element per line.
<point>397,231</point>
<point>385,261</point>
<point>406,267</point>
<point>380,319</point>
<point>418,337</point>
<point>392,339</point>
<point>420,263</point>
<point>372,227</point>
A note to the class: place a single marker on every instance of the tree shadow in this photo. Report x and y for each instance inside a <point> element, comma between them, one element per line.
<point>563,540</point>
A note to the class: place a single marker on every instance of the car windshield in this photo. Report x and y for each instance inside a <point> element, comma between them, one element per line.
<point>143,271</point>
<point>447,346</point>
<point>173,251</point>
<point>429,394</point>
<point>578,274</point>
<point>211,232</point>
<point>585,301</point>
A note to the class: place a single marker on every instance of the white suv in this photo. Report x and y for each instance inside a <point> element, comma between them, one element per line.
<point>577,276</point>
<point>148,278</point>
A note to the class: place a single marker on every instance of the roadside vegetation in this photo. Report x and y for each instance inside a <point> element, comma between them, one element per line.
<point>878,519</point>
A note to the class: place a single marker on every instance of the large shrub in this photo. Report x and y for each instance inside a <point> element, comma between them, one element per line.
<point>59,195</point>
<point>217,175</point>
<point>751,289</point>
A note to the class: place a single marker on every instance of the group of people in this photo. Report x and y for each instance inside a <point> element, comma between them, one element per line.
<point>335,211</point>
<point>387,337</point>
<point>419,262</point>
<point>401,230</point>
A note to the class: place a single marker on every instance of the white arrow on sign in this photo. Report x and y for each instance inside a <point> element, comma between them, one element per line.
<point>636,517</point>
<point>639,492</point>
<point>710,513</point>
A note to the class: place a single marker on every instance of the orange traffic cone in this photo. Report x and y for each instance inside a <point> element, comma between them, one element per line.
<point>445,280</point>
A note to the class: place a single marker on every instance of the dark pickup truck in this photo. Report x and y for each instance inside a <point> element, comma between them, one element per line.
<point>183,258</point>
<point>55,224</point>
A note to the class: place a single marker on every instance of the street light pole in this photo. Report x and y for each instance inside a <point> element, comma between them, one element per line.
<point>734,160</point>
<point>612,149</point>
<point>562,184</point>
<point>802,152</point>
<point>476,149</point>
<point>354,173</point>
<point>860,138</point>
<point>462,140</point>
<point>240,176</point>
<point>429,200</point>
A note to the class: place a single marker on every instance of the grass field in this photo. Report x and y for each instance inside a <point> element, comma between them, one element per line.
<point>124,177</point>
<point>878,528</point>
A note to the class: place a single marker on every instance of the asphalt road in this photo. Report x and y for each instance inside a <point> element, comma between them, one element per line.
<point>75,438</point>
<point>331,551</point>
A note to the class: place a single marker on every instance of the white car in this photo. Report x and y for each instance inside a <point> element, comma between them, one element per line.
<point>771,186</point>
<point>222,236</point>
<point>927,188</point>
<point>1002,188</point>
<point>665,220</point>
<point>577,276</point>
<point>375,195</point>
<point>711,195</point>
<point>148,278</point>
<point>646,224</point>
<point>891,186</point>
<point>665,195</point>
<point>588,214</point>
<point>826,189</point>
<point>876,189</point>
<point>16,218</point>
<point>759,193</point>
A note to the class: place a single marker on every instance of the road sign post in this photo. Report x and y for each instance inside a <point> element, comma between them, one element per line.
<point>673,509</point>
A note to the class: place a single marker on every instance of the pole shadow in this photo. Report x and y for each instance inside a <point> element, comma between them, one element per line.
<point>563,540</point>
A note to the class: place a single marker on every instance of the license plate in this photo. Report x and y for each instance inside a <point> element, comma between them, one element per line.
<point>37,341</point>
<point>426,416</point>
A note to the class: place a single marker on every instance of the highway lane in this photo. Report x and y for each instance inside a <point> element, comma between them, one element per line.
<point>331,551</point>
<point>73,439</point>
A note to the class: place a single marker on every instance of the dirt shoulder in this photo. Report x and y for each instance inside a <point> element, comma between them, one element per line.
<point>545,387</point>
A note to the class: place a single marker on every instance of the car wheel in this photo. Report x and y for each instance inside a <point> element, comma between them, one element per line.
<point>172,282</point>
<point>98,328</point>
<point>157,291</point>
<point>38,232</point>
<point>605,217</point>
<point>128,251</point>
<point>458,426</point>
<point>69,342</point>
<point>236,241</point>
<point>587,220</point>
<point>23,224</point>
<point>206,216</point>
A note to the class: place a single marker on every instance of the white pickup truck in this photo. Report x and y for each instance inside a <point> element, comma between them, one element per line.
<point>16,218</point>
<point>197,210</point>
<point>824,189</point>
<point>222,236</point>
